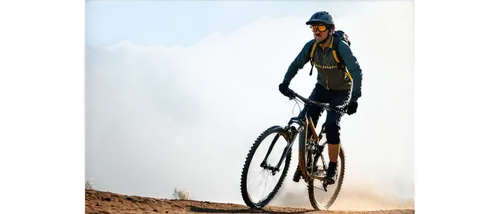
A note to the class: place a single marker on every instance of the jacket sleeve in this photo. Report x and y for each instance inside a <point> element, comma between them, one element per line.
<point>299,62</point>
<point>353,66</point>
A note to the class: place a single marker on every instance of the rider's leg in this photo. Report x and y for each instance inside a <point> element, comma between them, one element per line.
<point>318,94</point>
<point>333,140</point>
<point>333,132</point>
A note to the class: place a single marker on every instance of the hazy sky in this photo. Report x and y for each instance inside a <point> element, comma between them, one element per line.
<point>183,23</point>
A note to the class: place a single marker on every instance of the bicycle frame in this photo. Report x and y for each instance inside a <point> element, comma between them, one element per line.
<point>295,126</point>
<point>314,137</point>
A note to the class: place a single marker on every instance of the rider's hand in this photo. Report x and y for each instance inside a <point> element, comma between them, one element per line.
<point>352,107</point>
<point>284,88</point>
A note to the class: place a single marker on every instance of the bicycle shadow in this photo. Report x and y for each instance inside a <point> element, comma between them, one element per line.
<point>242,210</point>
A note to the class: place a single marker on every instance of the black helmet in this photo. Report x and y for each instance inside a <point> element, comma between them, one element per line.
<point>321,17</point>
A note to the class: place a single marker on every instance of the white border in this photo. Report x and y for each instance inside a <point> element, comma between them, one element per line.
<point>419,55</point>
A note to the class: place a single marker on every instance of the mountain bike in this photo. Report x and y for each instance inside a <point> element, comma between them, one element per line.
<point>268,161</point>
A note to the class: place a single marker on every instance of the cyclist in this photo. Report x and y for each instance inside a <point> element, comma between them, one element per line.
<point>337,85</point>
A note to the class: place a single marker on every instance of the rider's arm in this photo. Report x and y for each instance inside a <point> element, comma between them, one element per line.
<point>299,61</point>
<point>353,66</point>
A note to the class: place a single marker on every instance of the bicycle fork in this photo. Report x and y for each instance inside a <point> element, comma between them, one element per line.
<point>284,154</point>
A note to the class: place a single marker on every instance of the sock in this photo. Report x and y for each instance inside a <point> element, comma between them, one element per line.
<point>332,164</point>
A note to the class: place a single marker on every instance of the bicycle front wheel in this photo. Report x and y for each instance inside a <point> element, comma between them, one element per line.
<point>321,195</point>
<point>262,175</point>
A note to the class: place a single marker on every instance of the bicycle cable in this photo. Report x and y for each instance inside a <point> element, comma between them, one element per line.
<point>296,104</point>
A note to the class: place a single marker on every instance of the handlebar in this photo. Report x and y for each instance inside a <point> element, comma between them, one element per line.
<point>312,102</point>
<point>307,101</point>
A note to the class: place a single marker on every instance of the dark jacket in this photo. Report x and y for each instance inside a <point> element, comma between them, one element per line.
<point>329,74</point>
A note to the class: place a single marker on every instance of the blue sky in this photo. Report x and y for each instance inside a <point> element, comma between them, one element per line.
<point>183,23</point>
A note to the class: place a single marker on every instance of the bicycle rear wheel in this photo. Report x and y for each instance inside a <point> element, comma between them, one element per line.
<point>261,178</point>
<point>320,198</point>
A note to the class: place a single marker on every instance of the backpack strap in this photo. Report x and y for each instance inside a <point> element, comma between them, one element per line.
<point>334,52</point>
<point>340,63</point>
<point>311,55</point>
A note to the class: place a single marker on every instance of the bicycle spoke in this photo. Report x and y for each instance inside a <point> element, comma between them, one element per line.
<point>320,188</point>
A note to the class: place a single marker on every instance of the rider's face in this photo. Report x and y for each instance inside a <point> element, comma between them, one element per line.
<point>320,32</point>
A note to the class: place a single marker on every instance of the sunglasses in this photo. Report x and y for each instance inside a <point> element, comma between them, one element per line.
<point>321,28</point>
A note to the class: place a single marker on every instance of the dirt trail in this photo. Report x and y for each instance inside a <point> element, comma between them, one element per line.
<point>98,202</point>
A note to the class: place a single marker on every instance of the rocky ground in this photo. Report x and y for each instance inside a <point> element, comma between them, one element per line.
<point>98,202</point>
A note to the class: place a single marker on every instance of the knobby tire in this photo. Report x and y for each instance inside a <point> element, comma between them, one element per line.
<point>338,184</point>
<point>272,131</point>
